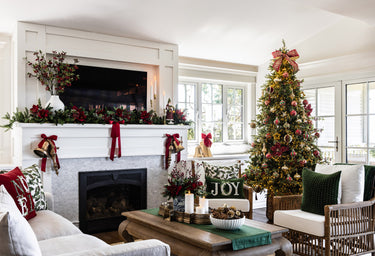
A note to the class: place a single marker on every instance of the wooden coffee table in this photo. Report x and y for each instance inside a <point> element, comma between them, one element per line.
<point>185,240</point>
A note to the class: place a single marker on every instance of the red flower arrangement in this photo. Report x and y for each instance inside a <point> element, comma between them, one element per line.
<point>53,73</point>
<point>179,183</point>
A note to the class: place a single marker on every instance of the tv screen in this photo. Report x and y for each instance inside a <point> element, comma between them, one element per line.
<point>99,87</point>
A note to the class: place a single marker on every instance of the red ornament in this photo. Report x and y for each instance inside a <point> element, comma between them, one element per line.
<point>268,136</point>
<point>294,103</point>
<point>285,75</point>
<point>298,132</point>
<point>267,102</point>
<point>293,113</point>
<point>293,153</point>
<point>305,102</point>
<point>253,145</point>
<point>269,155</point>
<point>317,134</point>
<point>276,121</point>
<point>264,165</point>
<point>316,153</point>
<point>302,162</point>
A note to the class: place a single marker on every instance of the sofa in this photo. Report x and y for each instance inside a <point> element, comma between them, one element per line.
<point>48,233</point>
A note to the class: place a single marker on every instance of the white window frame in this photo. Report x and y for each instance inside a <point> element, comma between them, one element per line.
<point>344,116</point>
<point>226,146</point>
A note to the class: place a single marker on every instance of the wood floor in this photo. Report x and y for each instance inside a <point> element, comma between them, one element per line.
<point>113,237</point>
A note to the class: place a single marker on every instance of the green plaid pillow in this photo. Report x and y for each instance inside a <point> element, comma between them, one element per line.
<point>34,181</point>
<point>221,172</point>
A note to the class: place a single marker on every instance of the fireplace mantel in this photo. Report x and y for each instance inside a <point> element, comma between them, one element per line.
<point>93,140</point>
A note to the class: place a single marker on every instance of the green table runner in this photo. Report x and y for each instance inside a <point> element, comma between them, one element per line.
<point>244,237</point>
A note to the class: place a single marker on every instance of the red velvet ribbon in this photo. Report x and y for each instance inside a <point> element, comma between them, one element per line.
<point>170,139</point>
<point>115,133</point>
<point>44,159</point>
<point>207,139</point>
<point>289,56</point>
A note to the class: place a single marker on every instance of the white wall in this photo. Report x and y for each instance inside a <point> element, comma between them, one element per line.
<point>5,97</point>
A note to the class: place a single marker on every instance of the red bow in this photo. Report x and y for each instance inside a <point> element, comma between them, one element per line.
<point>44,159</point>
<point>289,56</point>
<point>207,139</point>
<point>170,139</point>
<point>115,133</point>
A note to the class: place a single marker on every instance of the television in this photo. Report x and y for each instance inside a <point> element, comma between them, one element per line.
<point>99,87</point>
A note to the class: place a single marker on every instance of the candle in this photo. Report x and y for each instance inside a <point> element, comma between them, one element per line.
<point>155,89</point>
<point>199,210</point>
<point>189,202</point>
<point>164,99</point>
<point>203,202</point>
<point>152,93</point>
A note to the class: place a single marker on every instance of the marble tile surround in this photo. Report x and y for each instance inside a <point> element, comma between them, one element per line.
<point>65,185</point>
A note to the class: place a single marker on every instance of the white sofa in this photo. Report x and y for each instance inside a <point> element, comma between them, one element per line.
<point>58,236</point>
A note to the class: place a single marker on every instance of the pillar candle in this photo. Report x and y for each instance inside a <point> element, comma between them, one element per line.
<point>199,210</point>
<point>203,202</point>
<point>189,202</point>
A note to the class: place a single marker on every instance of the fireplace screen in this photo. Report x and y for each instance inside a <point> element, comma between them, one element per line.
<point>104,195</point>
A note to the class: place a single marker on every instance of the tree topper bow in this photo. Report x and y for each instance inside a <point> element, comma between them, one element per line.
<point>290,56</point>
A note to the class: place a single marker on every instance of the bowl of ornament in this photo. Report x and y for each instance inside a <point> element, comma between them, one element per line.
<point>227,218</point>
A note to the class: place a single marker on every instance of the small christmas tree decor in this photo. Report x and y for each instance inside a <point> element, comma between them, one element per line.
<point>286,138</point>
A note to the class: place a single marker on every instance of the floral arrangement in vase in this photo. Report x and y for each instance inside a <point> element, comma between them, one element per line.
<point>179,183</point>
<point>53,73</point>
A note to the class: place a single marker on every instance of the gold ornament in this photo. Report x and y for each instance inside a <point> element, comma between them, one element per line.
<point>264,150</point>
<point>285,168</point>
<point>297,176</point>
<point>253,124</point>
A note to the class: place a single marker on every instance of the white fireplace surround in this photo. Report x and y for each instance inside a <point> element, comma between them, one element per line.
<point>84,148</point>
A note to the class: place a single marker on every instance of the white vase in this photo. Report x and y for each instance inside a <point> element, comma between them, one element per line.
<point>56,103</point>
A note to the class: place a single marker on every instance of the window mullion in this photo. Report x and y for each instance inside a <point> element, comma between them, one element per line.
<point>225,114</point>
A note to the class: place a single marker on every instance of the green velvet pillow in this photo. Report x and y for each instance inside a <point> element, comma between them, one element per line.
<point>232,188</point>
<point>369,180</point>
<point>319,190</point>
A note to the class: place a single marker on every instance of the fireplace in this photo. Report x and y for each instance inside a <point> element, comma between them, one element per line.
<point>104,195</point>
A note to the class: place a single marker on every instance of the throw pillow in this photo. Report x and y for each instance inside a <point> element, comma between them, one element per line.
<point>319,190</point>
<point>15,183</point>
<point>34,181</point>
<point>17,237</point>
<point>221,172</point>
<point>369,181</point>
<point>232,188</point>
<point>352,180</point>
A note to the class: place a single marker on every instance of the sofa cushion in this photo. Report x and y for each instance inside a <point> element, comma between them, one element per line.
<point>352,180</point>
<point>16,235</point>
<point>68,244</point>
<point>16,185</point>
<point>47,225</point>
<point>319,190</point>
<point>301,221</point>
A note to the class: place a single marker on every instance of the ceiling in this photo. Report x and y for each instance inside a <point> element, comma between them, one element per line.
<point>238,31</point>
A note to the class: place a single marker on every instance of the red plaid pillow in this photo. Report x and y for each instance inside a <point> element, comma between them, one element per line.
<point>16,185</point>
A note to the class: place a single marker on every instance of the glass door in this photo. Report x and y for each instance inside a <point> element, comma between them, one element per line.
<point>325,100</point>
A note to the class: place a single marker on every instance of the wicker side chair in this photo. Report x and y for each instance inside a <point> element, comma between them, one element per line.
<point>347,229</point>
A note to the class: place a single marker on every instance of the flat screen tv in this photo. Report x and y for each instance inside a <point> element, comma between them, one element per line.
<point>100,87</point>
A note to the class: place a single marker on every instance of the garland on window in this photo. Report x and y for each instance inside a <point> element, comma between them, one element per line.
<point>74,114</point>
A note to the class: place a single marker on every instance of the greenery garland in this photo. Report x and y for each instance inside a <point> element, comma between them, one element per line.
<point>74,114</point>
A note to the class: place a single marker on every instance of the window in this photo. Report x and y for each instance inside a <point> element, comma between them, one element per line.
<point>215,108</point>
<point>322,101</point>
<point>360,123</point>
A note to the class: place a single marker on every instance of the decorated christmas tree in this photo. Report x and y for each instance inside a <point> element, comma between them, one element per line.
<point>286,138</point>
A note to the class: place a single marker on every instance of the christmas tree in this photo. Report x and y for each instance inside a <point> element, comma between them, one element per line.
<point>286,138</point>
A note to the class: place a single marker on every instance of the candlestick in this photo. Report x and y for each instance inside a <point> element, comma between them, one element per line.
<point>189,202</point>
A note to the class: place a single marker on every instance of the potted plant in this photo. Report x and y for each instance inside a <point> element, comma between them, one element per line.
<point>178,184</point>
<point>54,74</point>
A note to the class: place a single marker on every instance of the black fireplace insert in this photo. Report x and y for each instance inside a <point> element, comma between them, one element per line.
<point>104,195</point>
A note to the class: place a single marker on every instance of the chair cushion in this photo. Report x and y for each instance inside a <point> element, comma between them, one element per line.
<point>69,244</point>
<point>217,188</point>
<point>16,185</point>
<point>34,182</point>
<point>16,235</point>
<point>352,180</point>
<point>319,190</point>
<point>299,220</point>
<point>47,225</point>
<point>369,180</point>
<point>240,204</point>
